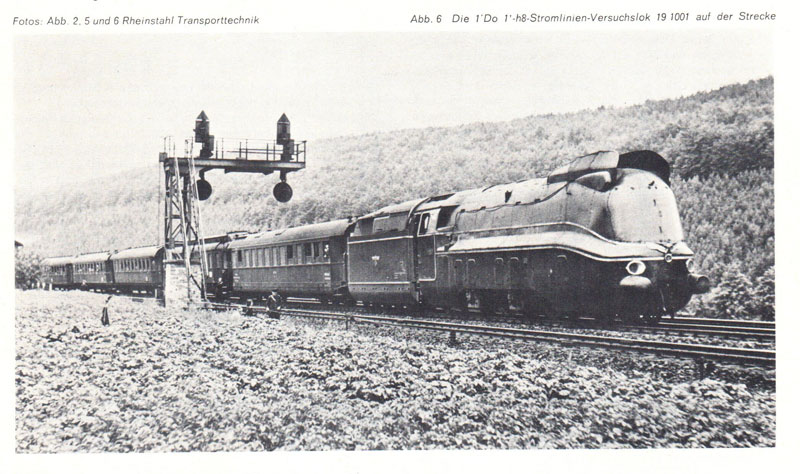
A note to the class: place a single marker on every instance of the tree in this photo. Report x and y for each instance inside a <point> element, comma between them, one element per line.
<point>763,302</point>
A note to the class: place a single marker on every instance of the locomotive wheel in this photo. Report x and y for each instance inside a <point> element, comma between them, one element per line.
<point>487,303</point>
<point>462,303</point>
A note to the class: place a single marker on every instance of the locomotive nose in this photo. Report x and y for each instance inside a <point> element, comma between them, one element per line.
<point>699,284</point>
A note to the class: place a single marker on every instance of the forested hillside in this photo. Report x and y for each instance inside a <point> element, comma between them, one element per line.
<point>720,144</point>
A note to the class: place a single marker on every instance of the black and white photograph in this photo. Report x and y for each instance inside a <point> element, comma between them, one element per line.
<point>431,232</point>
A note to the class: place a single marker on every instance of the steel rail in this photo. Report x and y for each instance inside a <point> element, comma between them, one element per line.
<point>708,330</point>
<point>758,357</point>
<point>742,323</point>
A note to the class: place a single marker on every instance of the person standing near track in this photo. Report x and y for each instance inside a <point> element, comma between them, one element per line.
<point>274,303</point>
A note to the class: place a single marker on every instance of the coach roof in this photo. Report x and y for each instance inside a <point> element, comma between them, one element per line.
<point>92,257</point>
<point>322,230</point>
<point>138,252</point>
<point>56,261</point>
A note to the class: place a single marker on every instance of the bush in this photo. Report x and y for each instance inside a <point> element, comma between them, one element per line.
<point>28,269</point>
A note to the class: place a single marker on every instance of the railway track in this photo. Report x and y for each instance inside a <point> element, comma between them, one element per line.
<point>727,329</point>
<point>744,356</point>
<point>760,331</point>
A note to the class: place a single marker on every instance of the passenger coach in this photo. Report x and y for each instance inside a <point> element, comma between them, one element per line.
<point>139,269</point>
<point>58,272</point>
<point>93,271</point>
<point>305,261</point>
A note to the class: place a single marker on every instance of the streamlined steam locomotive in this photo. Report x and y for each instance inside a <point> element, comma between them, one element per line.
<point>599,237</point>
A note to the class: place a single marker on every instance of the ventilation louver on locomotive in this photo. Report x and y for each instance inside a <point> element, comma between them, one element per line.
<point>645,160</point>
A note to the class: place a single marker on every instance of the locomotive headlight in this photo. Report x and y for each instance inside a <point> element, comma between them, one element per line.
<point>635,267</point>
<point>690,265</point>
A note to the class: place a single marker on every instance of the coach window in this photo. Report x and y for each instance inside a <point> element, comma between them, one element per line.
<point>308,253</point>
<point>326,250</point>
<point>289,254</point>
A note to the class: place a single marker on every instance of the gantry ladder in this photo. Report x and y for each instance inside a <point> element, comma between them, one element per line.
<point>196,220</point>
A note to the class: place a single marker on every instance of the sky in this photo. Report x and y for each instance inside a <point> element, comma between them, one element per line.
<point>88,105</point>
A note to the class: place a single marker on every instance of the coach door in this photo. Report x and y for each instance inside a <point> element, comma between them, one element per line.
<point>426,246</point>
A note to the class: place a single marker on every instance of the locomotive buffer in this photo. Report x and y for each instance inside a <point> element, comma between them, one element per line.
<point>185,265</point>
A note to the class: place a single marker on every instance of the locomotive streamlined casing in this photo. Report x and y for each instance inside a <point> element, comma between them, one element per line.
<point>565,244</point>
<point>304,261</point>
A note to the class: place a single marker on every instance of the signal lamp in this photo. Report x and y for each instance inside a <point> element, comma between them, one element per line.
<point>203,189</point>
<point>282,191</point>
